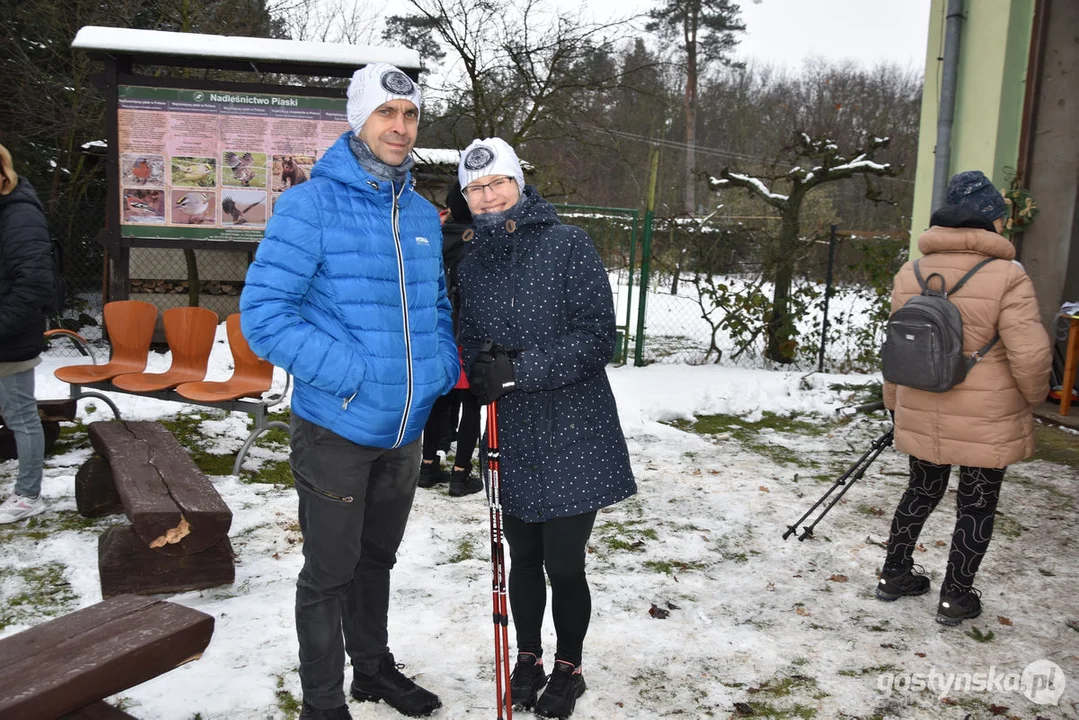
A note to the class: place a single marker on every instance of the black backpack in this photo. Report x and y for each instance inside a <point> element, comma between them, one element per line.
<point>923,342</point>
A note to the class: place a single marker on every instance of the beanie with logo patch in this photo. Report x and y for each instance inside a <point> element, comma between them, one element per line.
<point>375,85</point>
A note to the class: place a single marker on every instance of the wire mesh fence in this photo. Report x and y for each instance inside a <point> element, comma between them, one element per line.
<point>706,298</point>
<point>711,291</point>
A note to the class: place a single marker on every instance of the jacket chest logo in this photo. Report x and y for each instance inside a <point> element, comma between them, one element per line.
<point>420,240</point>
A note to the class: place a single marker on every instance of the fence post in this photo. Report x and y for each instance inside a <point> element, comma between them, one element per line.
<point>827,296</point>
<point>629,299</point>
<point>646,257</point>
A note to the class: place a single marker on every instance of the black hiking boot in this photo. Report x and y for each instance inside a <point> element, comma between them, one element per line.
<point>564,686</point>
<point>958,605</point>
<point>462,483</point>
<point>431,474</point>
<point>895,583</point>
<point>310,712</point>
<point>526,681</point>
<point>399,692</point>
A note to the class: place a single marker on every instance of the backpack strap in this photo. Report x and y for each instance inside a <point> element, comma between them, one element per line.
<point>980,353</point>
<point>963,280</point>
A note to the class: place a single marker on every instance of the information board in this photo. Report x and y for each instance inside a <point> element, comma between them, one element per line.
<point>206,165</point>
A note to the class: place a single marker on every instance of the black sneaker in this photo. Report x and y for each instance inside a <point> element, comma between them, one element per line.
<point>431,474</point>
<point>959,605</point>
<point>895,583</point>
<point>526,681</point>
<point>564,686</point>
<point>462,483</point>
<point>311,712</point>
<point>399,692</point>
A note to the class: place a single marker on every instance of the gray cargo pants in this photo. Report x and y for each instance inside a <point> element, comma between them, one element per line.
<point>354,503</point>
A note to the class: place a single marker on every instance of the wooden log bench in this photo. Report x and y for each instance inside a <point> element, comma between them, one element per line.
<point>64,668</point>
<point>52,413</point>
<point>178,537</point>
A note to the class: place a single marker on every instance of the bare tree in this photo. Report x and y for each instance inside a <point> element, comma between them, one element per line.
<point>828,166</point>
<point>705,30</point>
<point>510,63</point>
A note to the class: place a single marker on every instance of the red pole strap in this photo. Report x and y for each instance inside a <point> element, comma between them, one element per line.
<point>499,598</point>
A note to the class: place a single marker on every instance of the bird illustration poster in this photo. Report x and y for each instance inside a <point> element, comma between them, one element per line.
<point>210,164</point>
<point>144,206</point>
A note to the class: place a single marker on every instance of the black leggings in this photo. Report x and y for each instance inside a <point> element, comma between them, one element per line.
<point>976,504</point>
<point>443,417</point>
<point>558,546</point>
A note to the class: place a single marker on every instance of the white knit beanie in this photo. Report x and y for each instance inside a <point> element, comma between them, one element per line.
<point>374,85</point>
<point>490,156</point>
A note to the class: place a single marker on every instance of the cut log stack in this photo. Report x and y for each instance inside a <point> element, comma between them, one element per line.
<point>178,536</point>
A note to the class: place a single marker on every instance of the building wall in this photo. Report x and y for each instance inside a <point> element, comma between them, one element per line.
<point>994,43</point>
<point>1050,247</point>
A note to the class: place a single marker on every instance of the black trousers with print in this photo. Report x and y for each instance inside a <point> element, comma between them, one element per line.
<point>976,504</point>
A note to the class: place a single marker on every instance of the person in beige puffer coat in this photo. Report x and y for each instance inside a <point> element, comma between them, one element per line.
<point>984,423</point>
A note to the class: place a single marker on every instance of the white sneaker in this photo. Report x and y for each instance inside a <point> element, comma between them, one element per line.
<point>17,507</point>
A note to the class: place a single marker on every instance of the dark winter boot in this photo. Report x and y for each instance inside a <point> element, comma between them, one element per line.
<point>958,605</point>
<point>462,483</point>
<point>527,680</point>
<point>895,583</point>
<point>310,712</point>
<point>564,686</point>
<point>399,692</point>
<point>431,474</point>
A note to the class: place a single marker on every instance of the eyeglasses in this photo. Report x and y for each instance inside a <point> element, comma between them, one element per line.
<point>475,191</point>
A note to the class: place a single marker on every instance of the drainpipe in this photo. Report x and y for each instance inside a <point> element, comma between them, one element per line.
<point>948,82</point>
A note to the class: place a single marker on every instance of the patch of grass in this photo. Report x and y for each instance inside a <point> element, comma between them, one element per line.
<point>40,591</point>
<point>272,472</point>
<point>670,567</point>
<point>1007,526</point>
<point>1055,445</point>
<point>874,670</point>
<point>465,551</point>
<point>627,535</point>
<point>782,687</point>
<point>978,636</point>
<point>41,527</point>
<point>286,701</point>
<point>742,429</point>
<point>749,433</point>
<point>72,436</point>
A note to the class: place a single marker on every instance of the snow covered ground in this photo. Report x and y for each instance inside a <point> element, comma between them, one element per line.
<point>701,609</point>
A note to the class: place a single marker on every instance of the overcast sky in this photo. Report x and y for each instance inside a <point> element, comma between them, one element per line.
<point>786,32</point>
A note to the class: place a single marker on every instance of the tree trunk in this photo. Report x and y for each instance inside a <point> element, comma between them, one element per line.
<point>690,106</point>
<point>779,323</point>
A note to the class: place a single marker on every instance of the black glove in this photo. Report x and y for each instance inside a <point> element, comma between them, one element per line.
<point>492,375</point>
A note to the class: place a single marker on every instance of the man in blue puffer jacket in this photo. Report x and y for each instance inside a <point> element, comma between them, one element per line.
<point>348,295</point>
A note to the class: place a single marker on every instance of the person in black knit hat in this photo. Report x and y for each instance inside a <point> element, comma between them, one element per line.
<point>444,415</point>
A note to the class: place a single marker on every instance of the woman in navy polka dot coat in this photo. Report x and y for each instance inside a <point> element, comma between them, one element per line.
<point>538,288</point>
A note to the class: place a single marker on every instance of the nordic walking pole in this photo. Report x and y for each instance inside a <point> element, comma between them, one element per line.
<point>858,470</point>
<point>498,566</point>
<point>791,529</point>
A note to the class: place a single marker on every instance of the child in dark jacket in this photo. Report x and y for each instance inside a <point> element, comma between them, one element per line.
<point>457,413</point>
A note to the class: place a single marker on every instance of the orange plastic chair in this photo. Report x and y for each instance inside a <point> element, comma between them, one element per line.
<point>251,375</point>
<point>130,325</point>
<point>189,332</point>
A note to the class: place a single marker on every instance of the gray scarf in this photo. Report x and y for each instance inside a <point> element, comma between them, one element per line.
<point>369,162</point>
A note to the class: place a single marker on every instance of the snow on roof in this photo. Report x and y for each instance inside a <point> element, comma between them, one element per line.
<point>160,42</point>
<point>447,156</point>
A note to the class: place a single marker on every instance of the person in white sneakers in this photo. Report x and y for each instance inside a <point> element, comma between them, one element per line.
<point>26,288</point>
